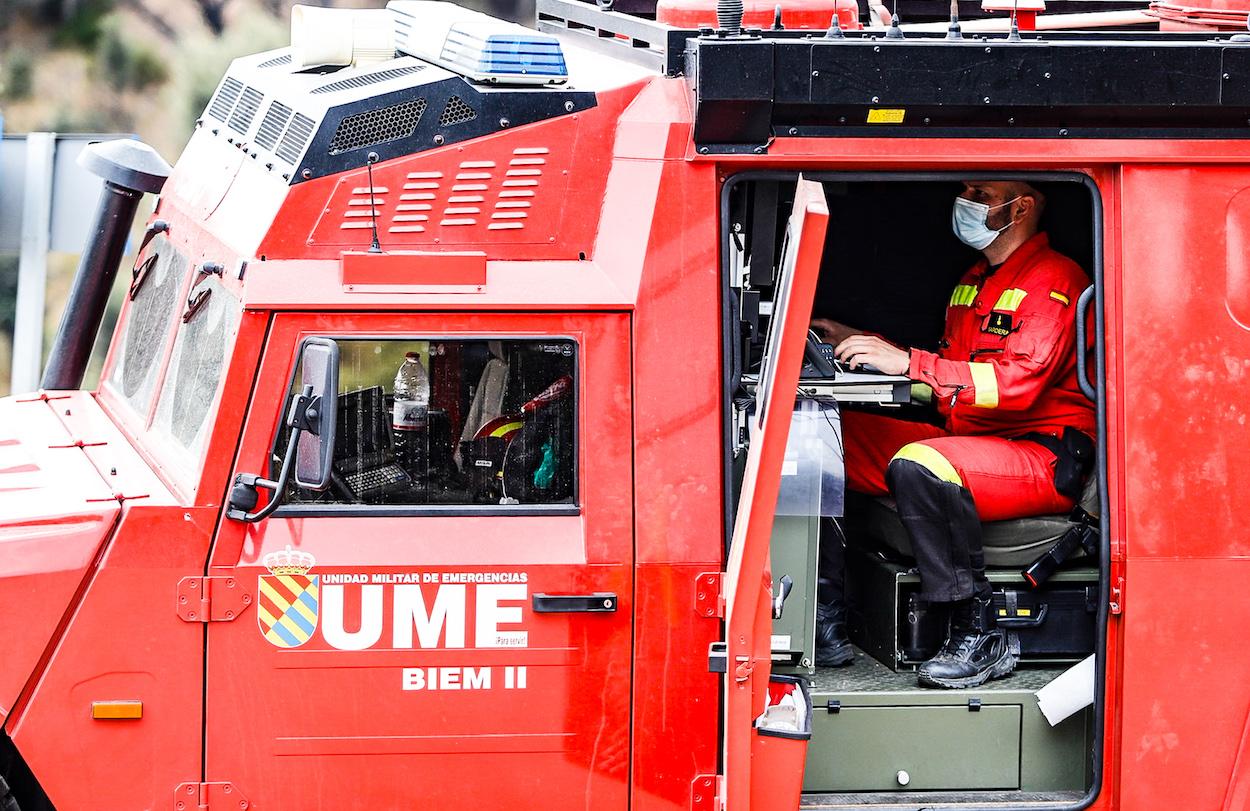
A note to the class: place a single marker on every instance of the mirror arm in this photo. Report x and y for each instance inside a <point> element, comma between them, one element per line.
<point>250,483</point>
<point>244,492</point>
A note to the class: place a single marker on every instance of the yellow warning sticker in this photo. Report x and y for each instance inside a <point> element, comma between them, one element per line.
<point>886,116</point>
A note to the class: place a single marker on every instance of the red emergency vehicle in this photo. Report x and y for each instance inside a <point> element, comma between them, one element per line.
<point>250,571</point>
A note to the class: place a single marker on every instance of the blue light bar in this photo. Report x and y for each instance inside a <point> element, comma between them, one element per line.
<point>504,55</point>
<point>475,45</point>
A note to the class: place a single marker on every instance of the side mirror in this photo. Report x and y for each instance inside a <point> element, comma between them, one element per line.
<point>310,450</point>
<point>319,370</point>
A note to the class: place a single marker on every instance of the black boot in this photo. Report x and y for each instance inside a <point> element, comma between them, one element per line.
<point>975,651</point>
<point>833,649</point>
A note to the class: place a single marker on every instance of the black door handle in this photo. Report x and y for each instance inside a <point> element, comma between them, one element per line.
<point>598,603</point>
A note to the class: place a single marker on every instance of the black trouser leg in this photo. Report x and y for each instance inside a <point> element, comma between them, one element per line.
<point>945,532</point>
<point>831,565</point>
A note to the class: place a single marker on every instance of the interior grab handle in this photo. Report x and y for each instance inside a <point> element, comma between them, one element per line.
<point>779,602</point>
<point>601,602</point>
<point>1082,376</point>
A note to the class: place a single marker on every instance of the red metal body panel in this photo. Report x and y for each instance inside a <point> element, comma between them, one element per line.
<point>124,641</point>
<point>122,638</point>
<point>297,285</point>
<point>510,194</point>
<point>58,511</point>
<point>1185,695</point>
<point>651,226</point>
<point>564,732</point>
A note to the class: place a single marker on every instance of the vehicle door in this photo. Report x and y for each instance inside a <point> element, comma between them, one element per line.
<point>748,598</point>
<point>459,639</point>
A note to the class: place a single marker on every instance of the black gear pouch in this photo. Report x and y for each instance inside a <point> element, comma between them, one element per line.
<point>1074,459</point>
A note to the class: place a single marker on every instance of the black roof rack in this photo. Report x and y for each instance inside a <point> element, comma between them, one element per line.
<point>1098,85</point>
<point>1071,84</point>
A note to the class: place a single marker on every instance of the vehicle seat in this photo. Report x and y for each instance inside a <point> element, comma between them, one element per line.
<point>1013,543</point>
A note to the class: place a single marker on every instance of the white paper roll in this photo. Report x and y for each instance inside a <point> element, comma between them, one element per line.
<point>1068,693</point>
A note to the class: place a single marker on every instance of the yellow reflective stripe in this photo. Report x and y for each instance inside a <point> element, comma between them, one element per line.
<point>963,295</point>
<point>504,430</point>
<point>1010,299</point>
<point>931,461</point>
<point>1060,297</point>
<point>984,385</point>
<point>921,393</point>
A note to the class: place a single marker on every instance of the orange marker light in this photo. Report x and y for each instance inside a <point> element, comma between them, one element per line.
<point>116,710</point>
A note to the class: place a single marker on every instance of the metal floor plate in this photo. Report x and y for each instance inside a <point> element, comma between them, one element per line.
<point>867,675</point>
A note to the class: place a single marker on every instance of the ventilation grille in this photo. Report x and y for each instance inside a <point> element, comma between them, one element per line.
<point>222,103</point>
<point>377,126</point>
<point>284,59</point>
<point>360,213</point>
<point>367,79</point>
<point>245,110</point>
<point>480,192</point>
<point>521,181</point>
<point>295,138</point>
<point>272,125</point>
<point>456,112</point>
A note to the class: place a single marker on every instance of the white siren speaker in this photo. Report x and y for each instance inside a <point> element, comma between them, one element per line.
<point>334,36</point>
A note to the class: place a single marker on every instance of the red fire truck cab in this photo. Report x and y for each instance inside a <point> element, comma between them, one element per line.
<point>455,446</point>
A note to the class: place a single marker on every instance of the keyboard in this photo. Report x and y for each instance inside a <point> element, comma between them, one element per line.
<point>371,481</point>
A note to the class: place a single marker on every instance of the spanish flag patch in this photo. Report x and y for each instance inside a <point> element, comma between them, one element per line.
<point>1060,297</point>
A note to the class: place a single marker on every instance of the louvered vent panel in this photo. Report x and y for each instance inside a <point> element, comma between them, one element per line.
<point>295,139</point>
<point>367,79</point>
<point>272,125</point>
<point>284,59</point>
<point>456,112</point>
<point>222,103</point>
<point>245,110</point>
<point>377,126</point>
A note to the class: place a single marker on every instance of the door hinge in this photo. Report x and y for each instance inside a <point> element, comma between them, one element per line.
<point>217,598</point>
<point>209,797</point>
<point>708,600</point>
<point>705,793</point>
<point>1117,596</point>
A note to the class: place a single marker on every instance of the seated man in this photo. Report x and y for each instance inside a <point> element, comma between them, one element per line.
<point>1004,380</point>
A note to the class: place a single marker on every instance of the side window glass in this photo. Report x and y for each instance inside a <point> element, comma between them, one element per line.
<point>158,278</point>
<point>442,422</point>
<point>210,318</point>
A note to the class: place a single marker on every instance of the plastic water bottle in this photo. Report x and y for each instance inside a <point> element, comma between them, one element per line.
<point>410,417</point>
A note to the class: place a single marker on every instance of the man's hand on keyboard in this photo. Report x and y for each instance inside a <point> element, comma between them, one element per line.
<point>832,332</point>
<point>875,351</point>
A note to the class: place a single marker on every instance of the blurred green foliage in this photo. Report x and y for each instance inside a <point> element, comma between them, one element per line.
<point>19,75</point>
<point>126,65</point>
<point>80,23</point>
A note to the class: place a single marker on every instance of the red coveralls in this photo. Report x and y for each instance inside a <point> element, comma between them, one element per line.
<point>1006,367</point>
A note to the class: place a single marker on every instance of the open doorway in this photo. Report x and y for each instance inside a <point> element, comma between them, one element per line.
<point>892,267</point>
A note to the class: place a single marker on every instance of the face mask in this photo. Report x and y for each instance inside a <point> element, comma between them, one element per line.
<point>968,221</point>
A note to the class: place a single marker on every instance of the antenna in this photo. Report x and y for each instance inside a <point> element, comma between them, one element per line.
<point>894,32</point>
<point>777,26</point>
<point>1014,36</point>
<point>954,32</point>
<point>374,247</point>
<point>835,29</point>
